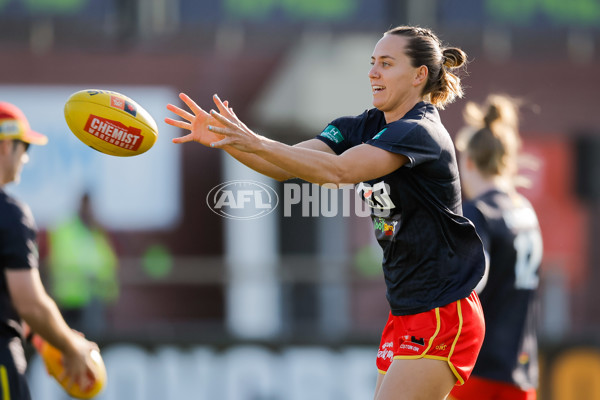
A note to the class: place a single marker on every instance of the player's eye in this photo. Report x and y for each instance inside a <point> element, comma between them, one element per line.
<point>25,144</point>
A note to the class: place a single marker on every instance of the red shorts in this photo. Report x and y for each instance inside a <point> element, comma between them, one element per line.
<point>478,388</point>
<point>452,333</point>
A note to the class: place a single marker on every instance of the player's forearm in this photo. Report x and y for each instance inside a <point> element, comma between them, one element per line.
<point>45,319</point>
<point>310,165</point>
<point>259,165</point>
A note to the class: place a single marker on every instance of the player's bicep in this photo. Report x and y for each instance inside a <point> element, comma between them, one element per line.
<point>315,144</point>
<point>365,162</point>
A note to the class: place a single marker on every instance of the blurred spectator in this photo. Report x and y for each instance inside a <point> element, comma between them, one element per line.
<point>83,269</point>
<point>507,366</point>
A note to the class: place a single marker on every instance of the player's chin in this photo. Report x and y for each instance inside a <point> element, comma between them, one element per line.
<point>378,102</point>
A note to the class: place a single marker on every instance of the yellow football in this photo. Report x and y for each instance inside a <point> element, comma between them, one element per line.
<point>110,122</point>
<point>53,360</point>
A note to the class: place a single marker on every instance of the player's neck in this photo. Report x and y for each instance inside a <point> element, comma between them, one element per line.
<point>484,185</point>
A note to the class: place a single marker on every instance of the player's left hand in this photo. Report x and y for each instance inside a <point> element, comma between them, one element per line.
<point>196,122</point>
<point>234,132</point>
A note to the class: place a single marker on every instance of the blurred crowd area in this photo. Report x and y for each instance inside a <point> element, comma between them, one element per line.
<point>185,274</point>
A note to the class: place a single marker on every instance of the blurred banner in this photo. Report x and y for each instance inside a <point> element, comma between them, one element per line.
<point>359,13</point>
<point>251,372</point>
<point>538,14</point>
<point>93,9</point>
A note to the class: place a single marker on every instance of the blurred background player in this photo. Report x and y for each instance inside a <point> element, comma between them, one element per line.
<point>507,367</point>
<point>404,164</point>
<point>83,270</point>
<point>22,295</point>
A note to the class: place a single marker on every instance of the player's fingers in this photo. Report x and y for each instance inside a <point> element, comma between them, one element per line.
<point>183,139</point>
<point>223,106</point>
<point>231,115</point>
<point>178,124</point>
<point>220,143</point>
<point>94,346</point>
<point>223,120</point>
<point>62,375</point>
<point>191,103</point>
<point>87,379</point>
<point>241,124</point>
<point>220,130</point>
<point>69,384</point>
<point>218,102</point>
<point>67,379</point>
<point>230,109</point>
<point>182,113</point>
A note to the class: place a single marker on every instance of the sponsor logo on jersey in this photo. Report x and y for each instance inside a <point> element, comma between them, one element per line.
<point>114,132</point>
<point>386,227</point>
<point>377,196</point>
<point>379,134</point>
<point>332,133</point>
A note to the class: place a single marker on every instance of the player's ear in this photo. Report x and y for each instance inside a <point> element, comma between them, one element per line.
<point>421,75</point>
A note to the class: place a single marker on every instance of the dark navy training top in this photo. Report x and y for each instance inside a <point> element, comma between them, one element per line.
<point>18,250</point>
<point>509,229</point>
<point>432,255</point>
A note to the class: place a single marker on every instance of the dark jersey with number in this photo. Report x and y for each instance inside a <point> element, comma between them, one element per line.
<point>18,250</point>
<point>432,255</point>
<point>509,229</point>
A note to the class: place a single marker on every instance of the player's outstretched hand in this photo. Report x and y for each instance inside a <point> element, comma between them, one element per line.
<point>196,122</point>
<point>231,130</point>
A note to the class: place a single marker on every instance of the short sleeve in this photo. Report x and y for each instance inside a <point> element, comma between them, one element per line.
<point>411,140</point>
<point>346,132</point>
<point>18,246</point>
<point>333,137</point>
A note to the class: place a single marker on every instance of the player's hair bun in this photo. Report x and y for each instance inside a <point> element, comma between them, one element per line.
<point>453,57</point>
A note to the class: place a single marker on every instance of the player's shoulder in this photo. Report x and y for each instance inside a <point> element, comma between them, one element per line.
<point>372,115</point>
<point>423,116</point>
<point>13,211</point>
<point>488,202</point>
<point>422,113</point>
<point>503,200</point>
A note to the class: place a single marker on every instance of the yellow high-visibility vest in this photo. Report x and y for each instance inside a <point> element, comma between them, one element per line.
<point>82,265</point>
